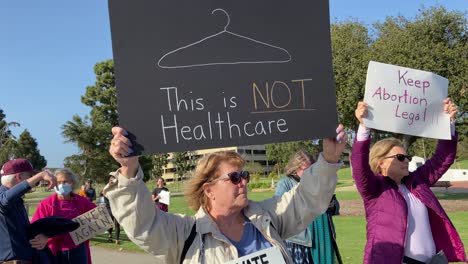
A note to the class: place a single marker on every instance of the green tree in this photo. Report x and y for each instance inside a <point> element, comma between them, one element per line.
<point>159,162</point>
<point>182,163</point>
<point>26,147</point>
<point>280,153</point>
<point>93,134</point>
<point>350,51</point>
<point>423,147</point>
<point>254,168</point>
<point>7,140</point>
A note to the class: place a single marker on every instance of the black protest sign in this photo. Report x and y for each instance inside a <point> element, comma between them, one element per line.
<point>203,74</point>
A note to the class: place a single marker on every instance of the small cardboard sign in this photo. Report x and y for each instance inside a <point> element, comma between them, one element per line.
<point>270,255</point>
<point>92,223</point>
<point>406,101</point>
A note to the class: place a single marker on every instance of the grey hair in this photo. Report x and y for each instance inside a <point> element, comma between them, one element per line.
<point>296,161</point>
<point>70,175</point>
<point>8,179</point>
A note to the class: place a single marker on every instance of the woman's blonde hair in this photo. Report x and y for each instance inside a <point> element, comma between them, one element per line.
<point>379,150</point>
<point>297,160</point>
<point>207,170</point>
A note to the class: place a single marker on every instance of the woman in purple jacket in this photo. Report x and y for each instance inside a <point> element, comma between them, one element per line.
<point>405,221</point>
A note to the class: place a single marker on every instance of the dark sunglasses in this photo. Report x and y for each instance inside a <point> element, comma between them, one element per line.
<point>237,176</point>
<point>400,157</point>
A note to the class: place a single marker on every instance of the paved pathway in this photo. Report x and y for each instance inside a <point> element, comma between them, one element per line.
<point>108,256</point>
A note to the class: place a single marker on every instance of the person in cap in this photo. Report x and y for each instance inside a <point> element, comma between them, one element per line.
<point>18,177</point>
<point>65,203</point>
<point>90,191</point>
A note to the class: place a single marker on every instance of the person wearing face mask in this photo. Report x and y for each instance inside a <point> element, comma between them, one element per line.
<point>65,203</point>
<point>405,221</point>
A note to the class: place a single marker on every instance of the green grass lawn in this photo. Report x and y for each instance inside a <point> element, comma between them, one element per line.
<point>462,164</point>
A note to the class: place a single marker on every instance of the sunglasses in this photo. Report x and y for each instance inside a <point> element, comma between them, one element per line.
<point>236,176</point>
<point>400,157</point>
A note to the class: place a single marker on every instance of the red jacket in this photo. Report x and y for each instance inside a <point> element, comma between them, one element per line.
<point>386,209</point>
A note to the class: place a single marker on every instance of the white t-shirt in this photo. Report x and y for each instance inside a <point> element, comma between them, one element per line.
<point>419,241</point>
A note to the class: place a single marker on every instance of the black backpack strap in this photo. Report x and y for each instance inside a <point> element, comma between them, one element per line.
<point>188,242</point>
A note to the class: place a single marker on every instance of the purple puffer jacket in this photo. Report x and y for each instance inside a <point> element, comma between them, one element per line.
<point>386,210</point>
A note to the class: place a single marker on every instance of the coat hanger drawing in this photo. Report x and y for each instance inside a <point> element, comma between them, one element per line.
<point>162,63</point>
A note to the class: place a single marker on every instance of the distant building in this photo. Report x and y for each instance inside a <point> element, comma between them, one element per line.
<point>254,153</point>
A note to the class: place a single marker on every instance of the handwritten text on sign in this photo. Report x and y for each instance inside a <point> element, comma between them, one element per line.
<point>92,223</point>
<point>267,256</point>
<point>267,98</point>
<point>407,101</point>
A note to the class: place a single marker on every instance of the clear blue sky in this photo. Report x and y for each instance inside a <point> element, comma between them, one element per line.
<point>48,49</point>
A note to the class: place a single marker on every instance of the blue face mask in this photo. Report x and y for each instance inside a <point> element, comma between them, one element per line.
<point>63,189</point>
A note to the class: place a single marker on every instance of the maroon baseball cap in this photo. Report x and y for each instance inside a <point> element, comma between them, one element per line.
<point>16,166</point>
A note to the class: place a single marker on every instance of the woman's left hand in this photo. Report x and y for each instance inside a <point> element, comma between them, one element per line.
<point>450,108</point>
<point>333,147</point>
<point>39,242</point>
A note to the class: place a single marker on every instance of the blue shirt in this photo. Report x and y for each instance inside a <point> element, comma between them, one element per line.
<point>251,241</point>
<point>14,221</point>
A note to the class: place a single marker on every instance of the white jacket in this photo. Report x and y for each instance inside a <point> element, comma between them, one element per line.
<point>277,218</point>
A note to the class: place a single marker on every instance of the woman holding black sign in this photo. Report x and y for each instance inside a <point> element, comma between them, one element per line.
<point>227,225</point>
<point>405,221</point>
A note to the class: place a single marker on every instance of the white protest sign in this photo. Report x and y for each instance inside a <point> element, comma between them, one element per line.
<point>164,197</point>
<point>270,255</point>
<point>406,101</point>
<point>92,223</point>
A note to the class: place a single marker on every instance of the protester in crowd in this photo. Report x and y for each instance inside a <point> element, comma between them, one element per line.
<point>17,177</point>
<point>104,201</point>
<point>227,225</point>
<point>160,183</point>
<point>65,203</point>
<point>405,221</point>
<point>89,190</point>
<point>82,191</point>
<point>316,243</point>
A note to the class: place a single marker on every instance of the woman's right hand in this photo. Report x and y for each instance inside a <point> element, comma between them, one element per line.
<point>361,112</point>
<point>119,149</point>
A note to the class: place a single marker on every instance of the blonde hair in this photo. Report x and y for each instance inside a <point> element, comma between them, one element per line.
<point>207,170</point>
<point>379,150</point>
<point>297,160</point>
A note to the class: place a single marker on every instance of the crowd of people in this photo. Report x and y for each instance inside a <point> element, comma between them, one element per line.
<point>405,221</point>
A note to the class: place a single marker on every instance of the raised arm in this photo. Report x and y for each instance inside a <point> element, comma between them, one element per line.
<point>157,232</point>
<point>364,178</point>
<point>9,197</point>
<point>446,150</point>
